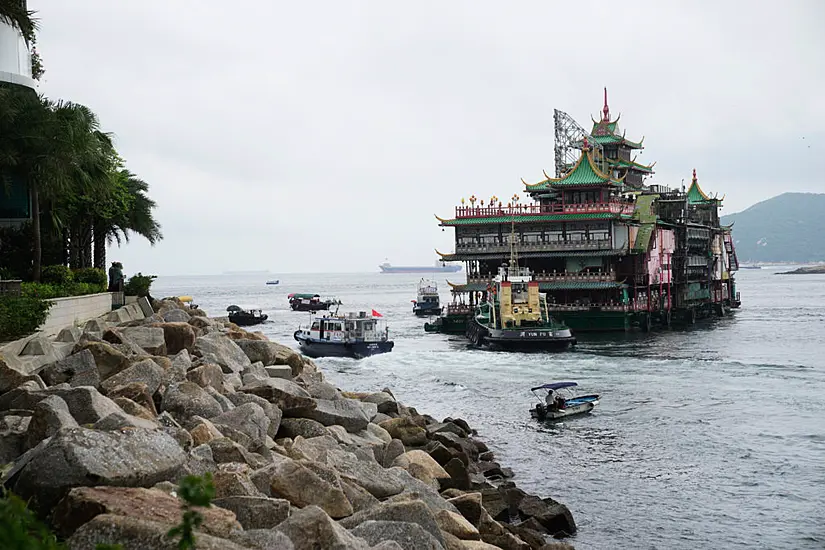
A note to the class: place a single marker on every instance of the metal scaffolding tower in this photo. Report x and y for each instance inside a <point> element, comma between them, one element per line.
<point>569,136</point>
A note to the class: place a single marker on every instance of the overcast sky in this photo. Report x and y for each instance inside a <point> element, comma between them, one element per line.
<point>323,136</point>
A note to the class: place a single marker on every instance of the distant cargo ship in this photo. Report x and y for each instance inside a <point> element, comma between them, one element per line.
<point>387,268</point>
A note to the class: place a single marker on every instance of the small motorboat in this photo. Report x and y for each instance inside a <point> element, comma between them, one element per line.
<point>246,316</point>
<point>355,335</point>
<point>427,302</point>
<point>559,402</point>
<point>273,282</point>
<point>309,302</point>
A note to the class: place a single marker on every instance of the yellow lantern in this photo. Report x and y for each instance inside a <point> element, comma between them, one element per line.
<point>473,200</point>
<point>462,201</point>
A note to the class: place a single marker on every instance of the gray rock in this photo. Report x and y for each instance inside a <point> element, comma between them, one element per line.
<point>78,369</point>
<point>10,377</point>
<point>255,371</point>
<point>223,350</point>
<point>341,412</point>
<point>411,511</point>
<point>86,404</point>
<point>368,474</point>
<point>268,353</point>
<point>109,361</point>
<point>186,399</point>
<point>175,316</point>
<point>305,427</point>
<point>385,402</point>
<point>323,390</point>
<point>272,411</point>
<point>145,371</point>
<point>394,449</point>
<point>206,375</point>
<point>12,436</point>
<point>120,420</point>
<point>223,401</point>
<point>232,480</point>
<point>279,371</point>
<point>137,534</point>
<point>359,497</point>
<point>150,339</point>
<point>289,396</point>
<point>326,533</point>
<point>249,419</point>
<point>442,427</point>
<point>415,488</point>
<point>76,457</point>
<point>50,415</point>
<point>95,326</point>
<point>256,512</point>
<point>302,486</point>
<point>225,450</point>
<point>38,345</point>
<point>178,336</point>
<point>410,536</point>
<point>262,539</point>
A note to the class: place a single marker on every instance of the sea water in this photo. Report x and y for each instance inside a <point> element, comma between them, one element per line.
<point>711,437</point>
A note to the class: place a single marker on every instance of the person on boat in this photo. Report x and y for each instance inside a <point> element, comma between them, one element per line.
<point>560,404</point>
<point>548,399</point>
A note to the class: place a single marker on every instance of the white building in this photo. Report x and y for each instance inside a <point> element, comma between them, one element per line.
<point>15,57</point>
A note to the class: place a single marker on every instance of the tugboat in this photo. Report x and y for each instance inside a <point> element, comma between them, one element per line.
<point>246,316</point>
<point>348,335</point>
<point>309,302</point>
<point>428,300</point>
<point>514,315</point>
<point>454,321</point>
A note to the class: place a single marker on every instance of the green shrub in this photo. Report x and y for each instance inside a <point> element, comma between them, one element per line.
<point>196,492</point>
<point>91,275</point>
<point>138,285</point>
<point>20,529</point>
<point>21,315</point>
<point>47,292</point>
<point>5,274</point>
<point>56,275</point>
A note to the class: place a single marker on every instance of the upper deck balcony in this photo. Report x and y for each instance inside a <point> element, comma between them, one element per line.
<point>607,207</point>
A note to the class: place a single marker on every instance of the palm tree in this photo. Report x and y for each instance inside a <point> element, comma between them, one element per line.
<point>54,148</point>
<point>14,13</point>
<point>134,216</point>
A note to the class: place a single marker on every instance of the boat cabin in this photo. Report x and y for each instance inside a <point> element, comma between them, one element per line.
<point>517,296</point>
<point>352,327</point>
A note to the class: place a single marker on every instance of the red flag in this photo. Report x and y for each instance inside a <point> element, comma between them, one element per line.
<point>376,314</point>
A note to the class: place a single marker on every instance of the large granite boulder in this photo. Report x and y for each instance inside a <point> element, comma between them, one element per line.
<point>339,412</point>
<point>186,399</point>
<point>403,428</point>
<point>144,371</point>
<point>409,535</point>
<point>85,403</point>
<point>305,427</point>
<point>272,411</point>
<point>206,375</point>
<point>177,335</point>
<point>175,316</point>
<point>262,539</point>
<point>385,402</point>
<point>268,353</point>
<point>78,369</point>
<point>379,482</point>
<point>76,457</point>
<point>82,504</point>
<point>295,482</point>
<point>249,419</point>
<point>421,465</point>
<point>137,392</point>
<point>216,348</point>
<point>411,511</point>
<point>137,534</point>
<point>10,377</point>
<point>109,361</point>
<point>256,512</point>
<point>291,398</point>
<point>232,480</point>
<point>50,415</point>
<point>150,339</point>
<point>325,533</point>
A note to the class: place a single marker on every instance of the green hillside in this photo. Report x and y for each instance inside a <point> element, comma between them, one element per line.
<point>787,228</point>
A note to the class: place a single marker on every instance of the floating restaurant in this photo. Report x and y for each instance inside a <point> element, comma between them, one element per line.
<point>610,252</point>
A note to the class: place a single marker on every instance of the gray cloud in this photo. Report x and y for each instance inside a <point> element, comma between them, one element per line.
<point>323,136</point>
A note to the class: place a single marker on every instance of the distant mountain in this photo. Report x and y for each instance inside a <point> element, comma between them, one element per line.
<point>787,228</point>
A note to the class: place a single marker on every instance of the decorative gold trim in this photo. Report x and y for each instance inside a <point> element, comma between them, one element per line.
<point>442,220</point>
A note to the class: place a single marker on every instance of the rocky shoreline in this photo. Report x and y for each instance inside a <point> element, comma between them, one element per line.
<point>97,442</point>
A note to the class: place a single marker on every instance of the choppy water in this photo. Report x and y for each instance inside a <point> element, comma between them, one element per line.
<point>711,437</point>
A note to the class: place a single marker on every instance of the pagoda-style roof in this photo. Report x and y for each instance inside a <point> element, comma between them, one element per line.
<point>695,195</point>
<point>632,164</point>
<point>611,139</point>
<point>529,218</point>
<point>607,132</point>
<point>584,173</point>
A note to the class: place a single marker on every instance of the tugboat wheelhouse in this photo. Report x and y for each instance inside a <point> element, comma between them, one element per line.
<point>609,251</point>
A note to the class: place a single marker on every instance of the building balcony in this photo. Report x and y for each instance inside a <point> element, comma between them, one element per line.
<point>551,246</point>
<point>556,277</point>
<point>609,207</point>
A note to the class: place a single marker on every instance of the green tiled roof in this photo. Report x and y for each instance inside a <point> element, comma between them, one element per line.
<point>609,126</point>
<point>695,195</point>
<point>584,173</point>
<point>611,139</point>
<point>630,164</point>
<point>533,218</point>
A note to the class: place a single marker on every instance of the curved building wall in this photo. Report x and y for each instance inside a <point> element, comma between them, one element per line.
<point>15,59</point>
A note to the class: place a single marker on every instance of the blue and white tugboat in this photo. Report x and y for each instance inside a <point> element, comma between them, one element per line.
<point>355,335</point>
<point>428,301</point>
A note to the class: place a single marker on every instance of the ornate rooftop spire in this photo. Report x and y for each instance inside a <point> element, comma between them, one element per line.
<point>694,175</point>
<point>605,109</point>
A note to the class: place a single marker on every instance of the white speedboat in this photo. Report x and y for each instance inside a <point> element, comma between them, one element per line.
<point>559,402</point>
